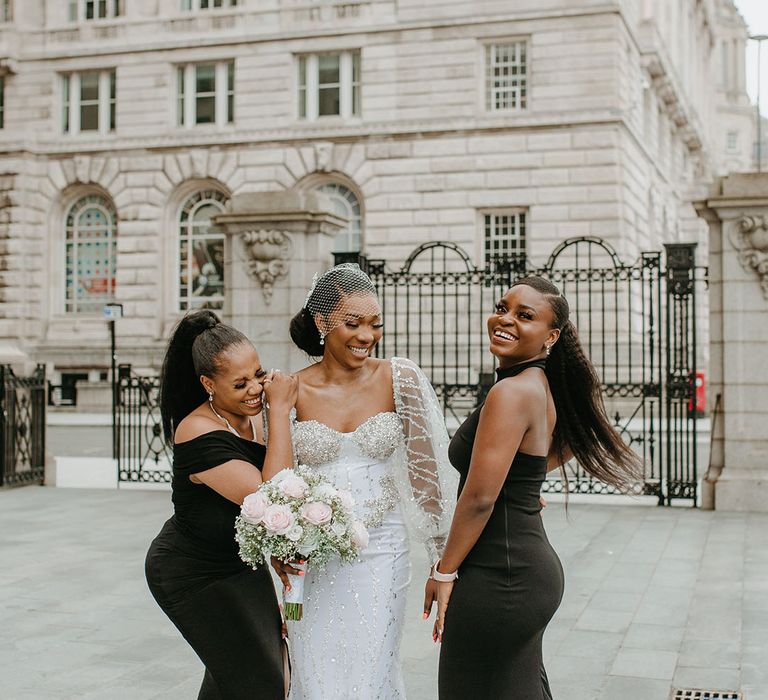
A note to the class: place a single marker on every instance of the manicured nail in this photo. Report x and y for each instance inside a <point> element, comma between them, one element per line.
<point>302,573</point>
<point>426,615</point>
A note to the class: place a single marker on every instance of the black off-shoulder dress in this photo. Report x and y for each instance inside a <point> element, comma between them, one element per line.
<point>226,611</point>
<point>509,586</point>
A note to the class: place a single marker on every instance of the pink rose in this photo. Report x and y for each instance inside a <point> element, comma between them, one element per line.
<point>254,507</point>
<point>278,519</point>
<point>293,486</point>
<point>360,535</point>
<point>316,513</point>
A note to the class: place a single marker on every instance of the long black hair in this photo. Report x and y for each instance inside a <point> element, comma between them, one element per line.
<point>582,423</point>
<point>194,350</point>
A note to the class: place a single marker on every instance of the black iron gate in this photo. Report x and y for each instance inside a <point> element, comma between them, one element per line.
<point>636,321</point>
<point>141,452</point>
<point>22,427</point>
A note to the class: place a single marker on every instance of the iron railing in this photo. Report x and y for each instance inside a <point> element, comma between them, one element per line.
<point>22,427</point>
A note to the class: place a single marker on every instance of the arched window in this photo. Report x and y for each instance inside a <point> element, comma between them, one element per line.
<point>345,204</point>
<point>91,255</point>
<point>201,252</point>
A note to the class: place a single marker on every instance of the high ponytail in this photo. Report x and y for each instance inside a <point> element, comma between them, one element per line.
<point>194,350</point>
<point>582,426</point>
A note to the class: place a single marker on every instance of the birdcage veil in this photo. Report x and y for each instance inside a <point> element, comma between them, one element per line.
<point>342,292</point>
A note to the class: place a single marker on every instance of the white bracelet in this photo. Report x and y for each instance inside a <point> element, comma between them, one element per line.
<point>441,577</point>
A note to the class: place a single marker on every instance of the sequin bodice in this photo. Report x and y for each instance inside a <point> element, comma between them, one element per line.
<point>376,438</point>
<point>360,461</point>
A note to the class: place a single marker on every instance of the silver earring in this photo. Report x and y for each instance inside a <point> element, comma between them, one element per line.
<point>322,338</point>
<point>210,397</point>
<point>549,349</point>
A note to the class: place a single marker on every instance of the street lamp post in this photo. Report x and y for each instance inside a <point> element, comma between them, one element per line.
<point>112,312</point>
<point>759,38</point>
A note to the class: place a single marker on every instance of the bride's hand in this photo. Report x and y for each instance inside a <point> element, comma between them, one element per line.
<point>283,568</point>
<point>281,390</point>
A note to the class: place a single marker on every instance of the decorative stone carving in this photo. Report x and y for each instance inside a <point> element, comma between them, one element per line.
<point>323,155</point>
<point>268,252</point>
<point>753,247</point>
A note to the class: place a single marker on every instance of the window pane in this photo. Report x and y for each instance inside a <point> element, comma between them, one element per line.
<point>89,117</point>
<point>205,108</point>
<point>2,102</point>
<point>90,257</point>
<point>328,68</point>
<point>231,92</point>
<point>180,89</point>
<point>89,87</point>
<point>206,78</point>
<point>102,8</point>
<point>112,100</point>
<point>65,103</point>
<point>90,8</point>
<point>72,10</point>
<point>329,102</point>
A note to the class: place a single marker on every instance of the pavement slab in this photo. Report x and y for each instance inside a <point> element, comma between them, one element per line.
<point>654,597</point>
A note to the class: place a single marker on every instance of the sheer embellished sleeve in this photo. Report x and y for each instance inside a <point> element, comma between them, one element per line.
<point>425,479</point>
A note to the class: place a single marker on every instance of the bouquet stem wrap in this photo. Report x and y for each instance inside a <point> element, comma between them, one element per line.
<point>293,600</point>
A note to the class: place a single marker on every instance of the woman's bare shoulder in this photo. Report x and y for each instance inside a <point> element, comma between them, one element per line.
<point>194,425</point>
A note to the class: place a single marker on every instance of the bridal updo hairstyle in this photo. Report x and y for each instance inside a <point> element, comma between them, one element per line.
<point>194,350</point>
<point>582,422</point>
<point>328,292</point>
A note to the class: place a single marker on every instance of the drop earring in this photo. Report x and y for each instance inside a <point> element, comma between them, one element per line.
<point>549,349</point>
<point>322,338</point>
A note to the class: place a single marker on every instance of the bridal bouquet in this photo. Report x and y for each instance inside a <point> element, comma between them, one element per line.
<point>298,513</point>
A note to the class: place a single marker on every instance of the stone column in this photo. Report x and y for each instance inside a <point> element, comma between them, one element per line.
<point>276,241</point>
<point>737,214</point>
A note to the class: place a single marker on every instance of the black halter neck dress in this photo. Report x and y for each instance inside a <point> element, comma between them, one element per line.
<point>509,585</point>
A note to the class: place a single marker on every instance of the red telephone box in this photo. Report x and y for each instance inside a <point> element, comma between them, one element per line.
<point>697,404</point>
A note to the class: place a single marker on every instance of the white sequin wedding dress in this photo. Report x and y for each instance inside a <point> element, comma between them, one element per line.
<point>347,646</point>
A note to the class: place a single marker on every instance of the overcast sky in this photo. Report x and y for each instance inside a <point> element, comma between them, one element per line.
<point>755,12</point>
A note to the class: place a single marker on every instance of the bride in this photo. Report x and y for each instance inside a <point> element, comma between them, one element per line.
<point>374,427</point>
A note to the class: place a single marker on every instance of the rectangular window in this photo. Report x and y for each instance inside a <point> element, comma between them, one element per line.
<point>205,94</point>
<point>506,76</point>
<point>89,102</point>
<point>2,102</point>
<point>190,5</point>
<point>328,85</point>
<point>732,141</point>
<point>503,234</point>
<point>6,10</point>
<point>94,9</point>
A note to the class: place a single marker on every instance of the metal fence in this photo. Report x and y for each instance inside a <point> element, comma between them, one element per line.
<point>22,427</point>
<point>636,321</point>
<point>142,453</point>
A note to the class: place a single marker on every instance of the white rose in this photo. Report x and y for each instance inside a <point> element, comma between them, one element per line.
<point>360,535</point>
<point>309,543</point>
<point>347,499</point>
<point>338,528</point>
<point>277,478</point>
<point>295,533</point>
<point>278,519</point>
<point>324,492</point>
<point>293,486</point>
<point>254,506</point>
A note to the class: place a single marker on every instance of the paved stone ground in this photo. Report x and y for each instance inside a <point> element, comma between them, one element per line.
<point>654,598</point>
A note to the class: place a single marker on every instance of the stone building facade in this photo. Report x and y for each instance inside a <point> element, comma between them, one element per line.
<point>128,125</point>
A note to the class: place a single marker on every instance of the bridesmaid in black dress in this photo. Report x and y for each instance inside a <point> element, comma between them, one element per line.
<point>499,572</point>
<point>212,388</point>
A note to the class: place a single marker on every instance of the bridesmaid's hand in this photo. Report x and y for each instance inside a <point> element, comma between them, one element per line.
<point>444,591</point>
<point>281,390</point>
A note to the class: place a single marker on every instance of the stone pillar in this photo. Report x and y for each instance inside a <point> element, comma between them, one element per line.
<point>737,214</point>
<point>276,241</point>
